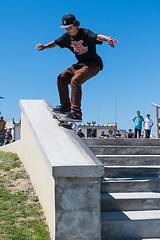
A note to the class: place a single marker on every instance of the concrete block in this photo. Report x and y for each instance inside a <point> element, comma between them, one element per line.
<point>64,152</point>
<point>55,157</point>
<point>77,210</point>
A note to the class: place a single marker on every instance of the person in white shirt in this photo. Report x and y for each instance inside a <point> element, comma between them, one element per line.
<point>111,135</point>
<point>147,124</point>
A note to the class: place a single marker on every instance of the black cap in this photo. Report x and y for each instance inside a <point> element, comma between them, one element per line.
<point>67,20</point>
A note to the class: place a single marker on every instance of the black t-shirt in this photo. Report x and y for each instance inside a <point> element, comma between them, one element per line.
<point>92,135</point>
<point>83,45</point>
<point>118,135</point>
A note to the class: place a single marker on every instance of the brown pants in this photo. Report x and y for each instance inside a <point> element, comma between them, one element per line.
<point>74,77</point>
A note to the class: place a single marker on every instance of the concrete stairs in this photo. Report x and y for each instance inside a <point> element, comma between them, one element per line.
<point>130,188</point>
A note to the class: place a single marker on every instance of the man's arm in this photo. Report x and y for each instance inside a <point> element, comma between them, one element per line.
<point>49,45</point>
<point>144,123</point>
<point>111,41</point>
<point>152,123</point>
<point>4,124</point>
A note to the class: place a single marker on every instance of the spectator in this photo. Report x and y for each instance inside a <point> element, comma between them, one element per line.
<point>130,134</point>
<point>92,135</point>
<point>107,135</point>
<point>138,124</point>
<point>111,135</point>
<point>2,123</point>
<point>80,133</point>
<point>102,135</point>
<point>8,137</point>
<point>2,134</point>
<point>74,126</point>
<point>118,135</point>
<point>147,124</point>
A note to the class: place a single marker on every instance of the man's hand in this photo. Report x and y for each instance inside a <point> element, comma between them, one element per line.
<point>48,45</point>
<point>112,42</point>
<point>40,46</point>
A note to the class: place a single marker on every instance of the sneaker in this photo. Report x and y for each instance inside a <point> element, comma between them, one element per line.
<point>74,116</point>
<point>61,108</point>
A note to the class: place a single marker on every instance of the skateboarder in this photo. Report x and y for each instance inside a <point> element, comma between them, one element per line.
<point>82,42</point>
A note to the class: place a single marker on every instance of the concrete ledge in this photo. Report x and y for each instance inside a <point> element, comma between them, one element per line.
<point>64,172</point>
<point>65,153</point>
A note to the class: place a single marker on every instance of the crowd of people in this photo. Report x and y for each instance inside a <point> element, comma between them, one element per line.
<point>110,134</point>
<point>5,134</point>
<point>102,135</point>
<point>139,121</point>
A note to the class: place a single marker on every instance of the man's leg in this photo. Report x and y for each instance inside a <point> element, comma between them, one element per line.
<point>139,132</point>
<point>81,76</point>
<point>135,132</point>
<point>147,133</point>
<point>63,81</point>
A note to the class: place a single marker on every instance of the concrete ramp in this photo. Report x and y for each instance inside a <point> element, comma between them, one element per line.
<point>64,171</point>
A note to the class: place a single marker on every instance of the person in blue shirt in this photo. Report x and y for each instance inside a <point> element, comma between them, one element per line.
<point>138,124</point>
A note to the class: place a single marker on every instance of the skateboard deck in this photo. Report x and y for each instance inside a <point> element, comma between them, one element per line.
<point>63,119</point>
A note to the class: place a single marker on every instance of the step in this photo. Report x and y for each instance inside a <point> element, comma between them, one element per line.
<point>122,142</point>
<point>140,239</point>
<point>137,201</point>
<point>128,225</point>
<point>125,150</point>
<point>145,184</point>
<point>148,239</point>
<point>130,160</point>
<point>131,171</point>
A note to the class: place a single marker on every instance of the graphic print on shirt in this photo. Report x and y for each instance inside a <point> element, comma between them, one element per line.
<point>78,47</point>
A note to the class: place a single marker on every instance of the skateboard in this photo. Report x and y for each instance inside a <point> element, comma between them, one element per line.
<point>63,120</point>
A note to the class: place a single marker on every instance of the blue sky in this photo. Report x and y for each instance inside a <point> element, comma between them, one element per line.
<point>131,71</point>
